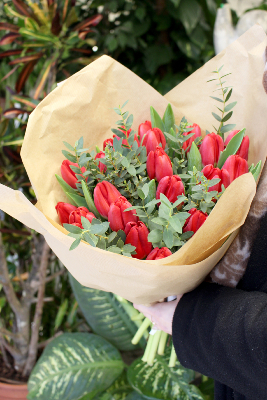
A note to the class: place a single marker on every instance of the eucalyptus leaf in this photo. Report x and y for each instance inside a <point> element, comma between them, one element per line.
<point>168,237</point>
<point>72,228</point>
<point>155,236</point>
<point>216,116</point>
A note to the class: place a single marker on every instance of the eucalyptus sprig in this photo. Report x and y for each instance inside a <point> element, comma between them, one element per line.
<point>226,92</point>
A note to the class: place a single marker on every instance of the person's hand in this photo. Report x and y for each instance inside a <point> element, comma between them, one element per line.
<point>161,314</point>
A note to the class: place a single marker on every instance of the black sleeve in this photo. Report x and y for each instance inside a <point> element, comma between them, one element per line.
<point>222,333</point>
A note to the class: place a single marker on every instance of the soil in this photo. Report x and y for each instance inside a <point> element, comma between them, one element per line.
<point>10,375</point>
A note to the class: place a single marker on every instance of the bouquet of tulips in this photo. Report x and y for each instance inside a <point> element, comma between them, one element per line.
<point>149,191</point>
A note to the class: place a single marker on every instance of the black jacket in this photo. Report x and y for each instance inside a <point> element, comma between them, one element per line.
<point>222,332</point>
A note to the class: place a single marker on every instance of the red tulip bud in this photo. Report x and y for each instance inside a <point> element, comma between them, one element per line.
<point>77,224</point>
<point>75,216</point>
<point>188,143</point>
<point>125,141</point>
<point>108,141</point>
<point>153,138</point>
<point>211,148</point>
<point>104,194</point>
<point>212,173</point>
<point>236,166</point>
<point>68,175</point>
<point>158,164</point>
<point>63,211</point>
<point>101,166</point>
<point>244,147</point>
<point>143,128</point>
<point>157,254</point>
<point>171,186</point>
<point>117,217</point>
<point>136,235</point>
<point>194,222</point>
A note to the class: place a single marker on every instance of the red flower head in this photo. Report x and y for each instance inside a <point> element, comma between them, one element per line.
<point>101,166</point>
<point>244,147</point>
<point>236,166</point>
<point>143,128</point>
<point>153,138</point>
<point>212,173</point>
<point>104,194</point>
<point>75,216</point>
<point>188,143</point>
<point>157,254</point>
<point>194,222</point>
<point>117,217</point>
<point>211,148</point>
<point>68,175</point>
<point>63,211</point>
<point>158,164</point>
<point>171,186</point>
<point>136,235</point>
<point>108,141</point>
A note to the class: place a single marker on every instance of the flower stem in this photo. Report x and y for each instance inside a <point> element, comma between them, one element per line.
<point>173,358</point>
<point>154,347</point>
<point>148,348</point>
<point>145,324</point>
<point>162,343</point>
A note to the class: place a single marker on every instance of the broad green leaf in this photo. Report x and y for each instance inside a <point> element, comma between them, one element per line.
<point>75,244</point>
<point>194,158</point>
<point>216,116</point>
<point>135,396</point>
<point>162,382</point>
<point>227,128</point>
<point>78,200</point>
<point>72,228</point>
<point>168,237</point>
<point>73,365</point>
<point>155,236</point>
<point>189,14</point>
<point>230,106</point>
<point>168,118</point>
<point>156,121</point>
<point>67,188</point>
<point>231,148</point>
<point>61,313</point>
<point>256,171</point>
<point>229,95</point>
<point>89,200</point>
<point>105,315</point>
<point>151,191</point>
<point>227,116</point>
<point>119,390</point>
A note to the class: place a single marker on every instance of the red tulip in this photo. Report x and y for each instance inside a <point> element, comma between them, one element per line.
<point>143,128</point>
<point>188,143</point>
<point>136,235</point>
<point>108,141</point>
<point>125,141</point>
<point>157,254</point>
<point>212,173</point>
<point>104,194</point>
<point>77,224</point>
<point>117,217</point>
<point>75,216</point>
<point>171,186</point>
<point>101,166</point>
<point>244,147</point>
<point>68,175</point>
<point>153,138</point>
<point>236,166</point>
<point>63,211</point>
<point>158,164</point>
<point>194,222</point>
<point>211,148</point>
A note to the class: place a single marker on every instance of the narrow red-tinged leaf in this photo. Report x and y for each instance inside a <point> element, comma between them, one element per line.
<point>22,8</point>
<point>11,113</point>
<point>9,38</point>
<point>82,34</point>
<point>56,24</point>
<point>43,80</point>
<point>26,59</point>
<point>9,53</point>
<point>50,2</point>
<point>87,22</point>
<point>9,27</point>
<point>24,74</point>
<point>84,51</point>
<point>73,3</point>
<point>27,101</point>
<point>66,73</point>
<point>10,73</point>
<point>65,10</point>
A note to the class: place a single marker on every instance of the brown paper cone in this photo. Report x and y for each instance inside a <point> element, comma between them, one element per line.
<point>82,106</point>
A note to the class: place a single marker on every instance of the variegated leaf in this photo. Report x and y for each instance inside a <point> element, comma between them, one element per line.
<point>24,74</point>
<point>119,390</point>
<point>11,113</point>
<point>74,365</point>
<point>9,38</point>
<point>162,382</point>
<point>5,26</point>
<point>105,315</point>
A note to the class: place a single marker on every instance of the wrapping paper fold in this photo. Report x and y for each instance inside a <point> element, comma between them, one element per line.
<point>82,106</point>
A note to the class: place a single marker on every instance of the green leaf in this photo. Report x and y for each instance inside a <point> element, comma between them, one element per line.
<point>114,249</point>
<point>124,104</point>
<point>168,237</point>
<point>72,228</point>
<point>227,116</point>
<point>131,170</point>
<point>230,106</point>
<point>156,121</point>
<point>141,194</point>
<point>75,243</point>
<point>160,381</point>
<point>175,224</point>
<point>216,116</point>
<point>89,200</point>
<point>168,118</point>
<point>61,314</point>
<point>189,14</point>
<point>231,148</point>
<point>155,236</point>
<point>117,391</point>
<point>68,146</point>
<point>67,188</point>
<point>194,158</point>
<point>105,315</point>
<point>256,171</point>
<point>151,191</point>
<point>160,221</point>
<point>229,95</point>
<point>227,128</point>
<point>78,200</point>
<point>85,223</point>
<point>85,362</point>
<point>217,98</point>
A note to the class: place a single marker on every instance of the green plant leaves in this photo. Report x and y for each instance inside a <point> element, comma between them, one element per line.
<point>156,121</point>
<point>168,118</point>
<point>162,382</point>
<point>119,390</point>
<point>105,315</point>
<point>231,148</point>
<point>67,188</point>
<point>189,14</point>
<point>194,158</point>
<point>73,365</point>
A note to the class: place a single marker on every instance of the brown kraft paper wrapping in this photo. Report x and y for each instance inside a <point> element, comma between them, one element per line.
<point>82,106</point>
